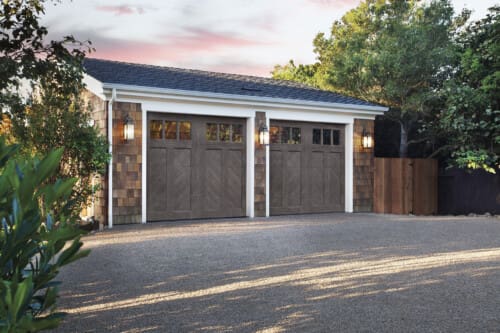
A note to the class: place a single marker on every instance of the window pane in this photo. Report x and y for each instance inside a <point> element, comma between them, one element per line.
<point>237,133</point>
<point>327,137</point>
<point>211,132</point>
<point>224,132</point>
<point>285,135</point>
<point>171,130</point>
<point>155,129</point>
<point>185,130</point>
<point>295,136</point>
<point>336,137</point>
<point>274,134</point>
<point>316,136</point>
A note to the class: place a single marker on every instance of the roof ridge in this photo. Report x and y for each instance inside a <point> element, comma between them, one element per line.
<point>201,71</point>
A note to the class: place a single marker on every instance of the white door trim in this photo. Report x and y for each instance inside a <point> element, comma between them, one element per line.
<point>144,179</point>
<point>348,121</point>
<point>221,112</point>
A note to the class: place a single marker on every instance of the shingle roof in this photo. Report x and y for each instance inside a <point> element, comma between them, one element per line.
<point>116,72</point>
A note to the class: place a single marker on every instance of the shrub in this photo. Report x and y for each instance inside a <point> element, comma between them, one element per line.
<point>35,240</point>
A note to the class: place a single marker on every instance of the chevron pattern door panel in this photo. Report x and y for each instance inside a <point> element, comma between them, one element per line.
<point>306,168</point>
<point>196,167</point>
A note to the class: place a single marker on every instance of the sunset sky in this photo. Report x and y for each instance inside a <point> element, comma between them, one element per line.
<point>235,36</point>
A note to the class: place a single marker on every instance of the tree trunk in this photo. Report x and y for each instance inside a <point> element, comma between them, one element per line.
<point>403,143</point>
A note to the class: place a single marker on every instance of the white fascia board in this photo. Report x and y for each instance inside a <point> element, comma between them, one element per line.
<point>131,91</point>
<point>195,108</point>
<point>94,86</point>
<point>316,117</point>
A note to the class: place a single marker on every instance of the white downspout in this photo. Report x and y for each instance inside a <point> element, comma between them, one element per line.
<point>110,166</point>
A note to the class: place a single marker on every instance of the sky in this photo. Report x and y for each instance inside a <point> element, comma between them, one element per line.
<point>232,36</point>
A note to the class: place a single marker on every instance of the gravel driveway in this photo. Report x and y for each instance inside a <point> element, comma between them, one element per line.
<point>314,273</point>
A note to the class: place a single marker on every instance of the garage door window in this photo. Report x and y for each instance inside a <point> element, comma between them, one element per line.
<point>274,134</point>
<point>155,129</point>
<point>285,135</point>
<point>325,136</point>
<point>336,137</point>
<point>171,130</point>
<point>211,132</point>
<point>224,132</point>
<point>237,133</point>
<point>185,130</point>
<point>316,136</point>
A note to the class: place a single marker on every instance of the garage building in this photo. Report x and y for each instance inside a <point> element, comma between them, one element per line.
<point>189,144</point>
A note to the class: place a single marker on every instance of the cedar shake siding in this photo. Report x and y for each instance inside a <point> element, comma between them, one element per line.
<point>363,168</point>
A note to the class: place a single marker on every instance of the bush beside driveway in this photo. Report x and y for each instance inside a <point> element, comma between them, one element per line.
<point>309,273</point>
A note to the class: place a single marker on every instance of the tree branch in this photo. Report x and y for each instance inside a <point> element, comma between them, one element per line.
<point>439,150</point>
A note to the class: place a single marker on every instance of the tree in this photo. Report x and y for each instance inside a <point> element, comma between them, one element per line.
<point>57,120</point>
<point>53,115</point>
<point>301,73</point>
<point>35,240</point>
<point>468,124</point>
<point>26,55</point>
<point>391,52</point>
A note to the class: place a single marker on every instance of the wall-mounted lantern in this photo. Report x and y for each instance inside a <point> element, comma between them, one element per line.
<point>264,135</point>
<point>367,139</point>
<point>128,128</point>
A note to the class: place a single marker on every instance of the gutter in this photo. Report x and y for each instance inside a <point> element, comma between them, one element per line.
<point>153,92</point>
<point>110,166</point>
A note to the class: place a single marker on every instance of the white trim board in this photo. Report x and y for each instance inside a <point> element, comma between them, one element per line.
<point>142,91</point>
<point>348,149</point>
<point>250,141</point>
<point>144,173</point>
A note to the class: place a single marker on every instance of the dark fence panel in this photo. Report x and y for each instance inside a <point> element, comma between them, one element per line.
<point>461,192</point>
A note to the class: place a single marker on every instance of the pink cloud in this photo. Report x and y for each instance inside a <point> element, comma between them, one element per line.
<point>189,43</point>
<point>197,39</point>
<point>149,53</point>
<point>121,9</point>
<point>146,53</point>
<point>132,51</point>
<point>185,49</point>
<point>170,48</point>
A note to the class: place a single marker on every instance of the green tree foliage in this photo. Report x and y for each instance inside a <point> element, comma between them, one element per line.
<point>301,73</point>
<point>469,123</point>
<point>391,52</point>
<point>54,115</point>
<point>35,241</point>
<point>26,55</point>
<point>55,120</point>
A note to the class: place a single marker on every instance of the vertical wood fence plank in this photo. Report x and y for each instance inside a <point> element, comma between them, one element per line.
<point>396,186</point>
<point>404,186</point>
<point>425,187</point>
<point>408,179</point>
<point>378,186</point>
<point>387,186</point>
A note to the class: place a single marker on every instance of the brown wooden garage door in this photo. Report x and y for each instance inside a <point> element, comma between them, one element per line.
<point>196,167</point>
<point>307,168</point>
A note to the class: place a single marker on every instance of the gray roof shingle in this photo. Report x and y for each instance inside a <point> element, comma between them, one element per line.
<point>108,71</point>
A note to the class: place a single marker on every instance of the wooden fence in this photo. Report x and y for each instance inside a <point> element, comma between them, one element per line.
<point>405,186</point>
<point>464,192</point>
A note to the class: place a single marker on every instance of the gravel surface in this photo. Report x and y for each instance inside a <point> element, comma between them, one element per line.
<point>310,273</point>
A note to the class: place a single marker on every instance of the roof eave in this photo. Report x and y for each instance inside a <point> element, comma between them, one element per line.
<point>104,89</point>
<point>95,86</point>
